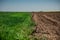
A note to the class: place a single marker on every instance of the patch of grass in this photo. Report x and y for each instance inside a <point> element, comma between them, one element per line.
<point>15,25</point>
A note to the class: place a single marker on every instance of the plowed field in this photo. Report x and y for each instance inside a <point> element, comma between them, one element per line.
<point>47,25</point>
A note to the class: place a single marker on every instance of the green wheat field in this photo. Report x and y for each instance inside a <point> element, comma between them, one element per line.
<point>15,25</point>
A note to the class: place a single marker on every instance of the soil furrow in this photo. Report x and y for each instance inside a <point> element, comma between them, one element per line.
<point>47,25</point>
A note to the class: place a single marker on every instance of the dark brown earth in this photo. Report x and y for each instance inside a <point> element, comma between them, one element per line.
<point>47,25</point>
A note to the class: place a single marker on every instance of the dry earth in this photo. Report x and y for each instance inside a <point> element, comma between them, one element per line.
<point>47,25</point>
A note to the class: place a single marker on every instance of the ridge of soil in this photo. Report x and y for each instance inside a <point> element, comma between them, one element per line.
<point>47,25</point>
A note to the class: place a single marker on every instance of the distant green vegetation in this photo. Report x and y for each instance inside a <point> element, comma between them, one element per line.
<point>15,25</point>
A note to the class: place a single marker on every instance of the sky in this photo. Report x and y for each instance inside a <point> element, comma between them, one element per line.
<point>29,5</point>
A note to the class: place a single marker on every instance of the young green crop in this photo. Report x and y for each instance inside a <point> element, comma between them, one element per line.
<point>15,25</point>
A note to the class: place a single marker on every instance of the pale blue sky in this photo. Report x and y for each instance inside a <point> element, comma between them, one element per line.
<point>29,5</point>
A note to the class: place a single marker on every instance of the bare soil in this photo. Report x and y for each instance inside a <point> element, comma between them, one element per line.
<point>47,25</point>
